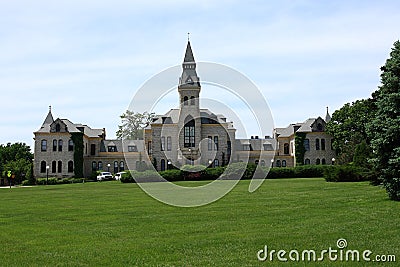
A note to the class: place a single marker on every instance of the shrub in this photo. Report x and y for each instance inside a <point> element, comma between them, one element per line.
<point>172,175</point>
<point>347,173</point>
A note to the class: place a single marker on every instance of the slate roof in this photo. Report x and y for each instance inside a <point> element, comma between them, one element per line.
<point>121,145</point>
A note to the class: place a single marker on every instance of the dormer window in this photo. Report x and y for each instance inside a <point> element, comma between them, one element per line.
<point>58,127</point>
<point>319,127</point>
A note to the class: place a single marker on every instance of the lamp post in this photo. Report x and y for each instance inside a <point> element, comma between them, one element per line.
<point>108,167</point>
<point>333,161</point>
<point>272,163</point>
<point>47,174</point>
<point>210,162</point>
<point>169,164</point>
<point>191,157</point>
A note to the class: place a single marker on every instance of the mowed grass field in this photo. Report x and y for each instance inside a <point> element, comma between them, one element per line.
<point>114,224</point>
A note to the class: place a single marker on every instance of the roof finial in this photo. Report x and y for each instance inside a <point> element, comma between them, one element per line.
<point>50,108</point>
<point>188,36</point>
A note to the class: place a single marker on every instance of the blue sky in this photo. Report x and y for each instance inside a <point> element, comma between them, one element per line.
<point>87,58</point>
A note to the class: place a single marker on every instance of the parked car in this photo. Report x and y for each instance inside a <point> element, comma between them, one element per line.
<point>118,175</point>
<point>104,176</point>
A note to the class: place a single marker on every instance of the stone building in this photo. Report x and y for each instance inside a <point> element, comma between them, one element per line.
<point>187,135</point>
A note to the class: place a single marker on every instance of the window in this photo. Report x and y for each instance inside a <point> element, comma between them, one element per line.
<point>283,163</point>
<point>215,142</point>
<point>163,165</point>
<point>192,100</point>
<point>121,166</point>
<point>59,166</point>
<point>70,145</point>
<point>58,127</point>
<point>54,167</point>
<point>109,148</point>
<point>317,144</point>
<point>54,145</point>
<point>216,162</point>
<point>70,166</point>
<point>93,149</point>
<point>229,147</point>
<point>115,166</point>
<point>100,165</point>
<point>307,162</point>
<point>60,145</point>
<point>246,147</point>
<point>162,143</point>
<point>318,161</point>
<point>262,162</point>
<point>185,101</point>
<point>189,134</point>
<point>44,145</point>
<point>323,161</point>
<point>307,144</point>
<point>256,161</point>
<point>94,166</point>
<point>286,149</point>
<point>319,127</point>
<point>210,143</point>
<point>278,163</point>
<point>132,149</point>
<point>322,144</point>
<point>43,166</point>
<point>149,149</point>
<point>86,148</point>
<point>169,143</point>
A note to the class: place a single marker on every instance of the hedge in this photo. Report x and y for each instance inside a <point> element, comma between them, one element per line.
<point>349,173</point>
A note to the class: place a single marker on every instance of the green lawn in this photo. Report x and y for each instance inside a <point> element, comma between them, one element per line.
<point>109,223</point>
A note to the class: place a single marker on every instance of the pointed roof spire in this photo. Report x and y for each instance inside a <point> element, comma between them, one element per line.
<point>189,54</point>
<point>327,116</point>
<point>49,118</point>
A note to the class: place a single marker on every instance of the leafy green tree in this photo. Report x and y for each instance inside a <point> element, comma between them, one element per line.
<point>133,124</point>
<point>384,128</point>
<point>362,153</point>
<point>16,158</point>
<point>348,127</point>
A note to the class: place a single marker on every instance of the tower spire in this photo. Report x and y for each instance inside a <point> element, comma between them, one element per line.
<point>49,118</point>
<point>327,116</point>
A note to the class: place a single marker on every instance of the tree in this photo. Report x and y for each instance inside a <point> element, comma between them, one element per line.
<point>16,158</point>
<point>133,124</point>
<point>384,128</point>
<point>348,128</point>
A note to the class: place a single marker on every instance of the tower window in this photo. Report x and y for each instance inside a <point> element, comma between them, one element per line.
<point>54,145</point>
<point>169,143</point>
<point>188,133</point>
<point>215,142</point>
<point>317,144</point>
<point>60,145</point>
<point>210,143</point>
<point>192,100</point>
<point>70,145</point>
<point>286,148</point>
<point>185,101</point>
<point>162,143</point>
<point>44,145</point>
<point>307,144</point>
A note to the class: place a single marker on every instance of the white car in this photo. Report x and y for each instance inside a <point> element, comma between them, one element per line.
<point>103,176</point>
<point>118,175</point>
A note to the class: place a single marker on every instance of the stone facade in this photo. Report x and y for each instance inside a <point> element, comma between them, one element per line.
<point>187,135</point>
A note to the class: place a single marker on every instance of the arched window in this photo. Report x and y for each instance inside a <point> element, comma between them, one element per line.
<point>54,167</point>
<point>169,143</point>
<point>256,161</point>
<point>189,134</point>
<point>115,166</point>
<point>317,144</point>
<point>93,149</point>
<point>307,144</point>
<point>54,145</point>
<point>162,143</point>
<point>216,162</point>
<point>121,166</point>
<point>322,144</point>
<point>43,166</point>
<point>94,166</point>
<point>262,162</point>
<point>286,149</point>
<point>210,143</point>
<point>58,127</point>
<point>100,165</point>
<point>60,145</point>
<point>283,163</point>
<point>44,145</point>
<point>70,145</point>
<point>278,163</point>
<point>323,161</point>
<point>70,166</point>
<point>162,164</point>
<point>319,127</point>
<point>185,101</point>
<point>59,167</point>
<point>318,161</point>
<point>307,162</point>
<point>216,143</point>
<point>192,100</point>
